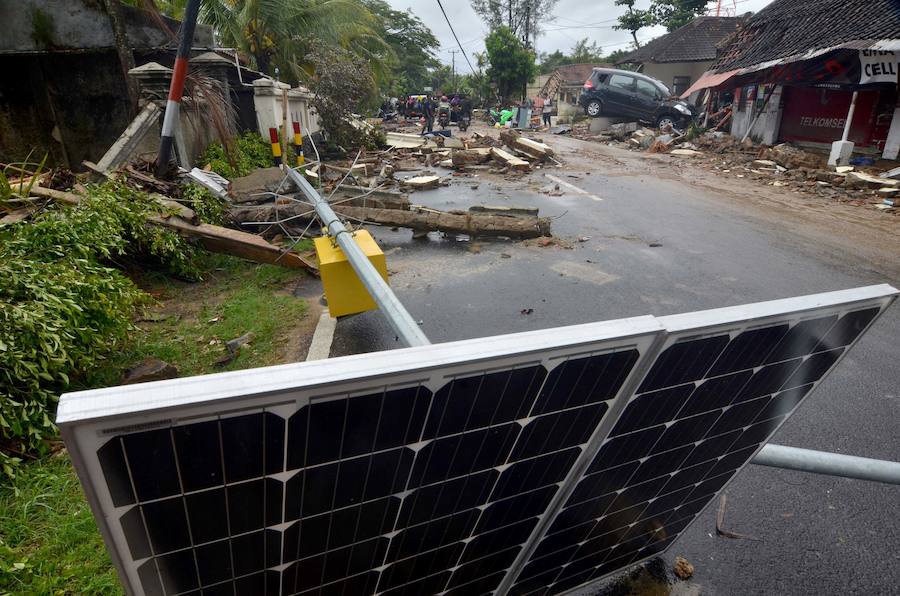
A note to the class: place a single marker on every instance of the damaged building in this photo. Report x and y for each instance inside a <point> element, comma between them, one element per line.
<point>795,68</point>
<point>77,72</point>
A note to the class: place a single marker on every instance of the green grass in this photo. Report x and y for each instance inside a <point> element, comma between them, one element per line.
<point>197,319</point>
<point>49,543</point>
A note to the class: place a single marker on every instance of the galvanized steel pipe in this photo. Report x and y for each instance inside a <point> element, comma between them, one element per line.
<point>832,464</point>
<point>401,321</point>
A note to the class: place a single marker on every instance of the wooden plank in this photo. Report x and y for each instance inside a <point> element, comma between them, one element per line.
<point>508,159</point>
<point>17,215</point>
<point>236,243</point>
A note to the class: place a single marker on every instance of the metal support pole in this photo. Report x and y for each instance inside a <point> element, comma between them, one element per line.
<point>850,112</point>
<point>401,321</point>
<point>832,464</point>
<point>176,87</point>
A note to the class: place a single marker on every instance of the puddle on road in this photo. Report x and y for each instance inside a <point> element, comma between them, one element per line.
<point>583,272</point>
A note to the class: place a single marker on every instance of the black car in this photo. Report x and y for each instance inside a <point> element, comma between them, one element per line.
<point>626,94</point>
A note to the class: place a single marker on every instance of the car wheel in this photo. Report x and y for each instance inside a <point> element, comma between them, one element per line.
<point>593,108</point>
<point>666,120</point>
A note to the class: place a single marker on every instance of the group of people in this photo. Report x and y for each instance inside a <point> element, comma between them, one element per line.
<point>430,107</point>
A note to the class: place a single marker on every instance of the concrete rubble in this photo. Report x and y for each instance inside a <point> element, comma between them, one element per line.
<point>782,166</point>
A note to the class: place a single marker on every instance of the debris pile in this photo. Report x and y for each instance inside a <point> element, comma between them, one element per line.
<point>374,188</point>
<point>780,166</point>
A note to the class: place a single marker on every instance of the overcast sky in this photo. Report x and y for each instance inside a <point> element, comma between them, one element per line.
<point>575,19</point>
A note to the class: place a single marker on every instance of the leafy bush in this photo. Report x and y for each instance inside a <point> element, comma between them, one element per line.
<point>248,152</point>
<point>63,308</point>
<point>210,208</point>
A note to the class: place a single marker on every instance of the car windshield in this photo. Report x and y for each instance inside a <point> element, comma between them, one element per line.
<point>663,89</point>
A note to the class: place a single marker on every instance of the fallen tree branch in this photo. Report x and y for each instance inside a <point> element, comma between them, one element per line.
<point>212,238</point>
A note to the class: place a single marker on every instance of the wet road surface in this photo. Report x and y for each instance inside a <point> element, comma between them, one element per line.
<point>657,245</point>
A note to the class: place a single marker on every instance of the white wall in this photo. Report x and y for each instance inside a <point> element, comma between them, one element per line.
<point>267,98</point>
<point>667,71</point>
<point>765,130</point>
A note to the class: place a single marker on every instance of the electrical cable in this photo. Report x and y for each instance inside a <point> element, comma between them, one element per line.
<point>466,56</point>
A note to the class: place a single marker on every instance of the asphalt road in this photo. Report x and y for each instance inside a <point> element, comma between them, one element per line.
<point>657,244</point>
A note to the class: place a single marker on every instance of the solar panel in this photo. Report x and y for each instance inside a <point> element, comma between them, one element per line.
<point>722,384</point>
<point>415,471</point>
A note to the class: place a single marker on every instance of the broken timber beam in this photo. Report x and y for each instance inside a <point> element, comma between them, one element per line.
<point>430,221</point>
<point>509,160</point>
<point>236,243</point>
<point>212,238</point>
<point>534,149</point>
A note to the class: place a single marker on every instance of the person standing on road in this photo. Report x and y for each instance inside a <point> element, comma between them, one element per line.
<point>428,115</point>
<point>548,109</point>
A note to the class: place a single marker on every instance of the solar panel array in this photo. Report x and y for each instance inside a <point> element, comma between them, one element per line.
<point>526,464</point>
<point>700,414</point>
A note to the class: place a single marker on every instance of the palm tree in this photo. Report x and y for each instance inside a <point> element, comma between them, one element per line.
<point>280,32</point>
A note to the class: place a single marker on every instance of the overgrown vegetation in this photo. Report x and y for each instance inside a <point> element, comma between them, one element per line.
<point>49,543</point>
<point>249,152</point>
<point>208,207</point>
<point>13,179</point>
<point>340,87</point>
<point>63,308</point>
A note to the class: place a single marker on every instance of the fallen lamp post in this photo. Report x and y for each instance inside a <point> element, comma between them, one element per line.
<point>408,331</point>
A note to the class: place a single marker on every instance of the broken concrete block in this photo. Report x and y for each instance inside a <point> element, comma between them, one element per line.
<point>250,188</point>
<point>453,143</point>
<point>464,157</point>
<point>685,152</point>
<point>422,182</point>
<point>863,180</point>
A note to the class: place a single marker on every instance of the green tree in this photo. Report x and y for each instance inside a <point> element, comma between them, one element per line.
<point>586,52</point>
<point>511,63</point>
<point>413,46</point>
<point>582,52</point>
<point>524,18</point>
<point>633,20</point>
<point>676,13</point>
<point>282,33</point>
<point>552,61</point>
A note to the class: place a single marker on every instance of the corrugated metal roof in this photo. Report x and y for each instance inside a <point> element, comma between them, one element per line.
<point>787,28</point>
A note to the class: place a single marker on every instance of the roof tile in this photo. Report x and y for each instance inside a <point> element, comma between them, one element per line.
<point>786,28</point>
<point>693,42</point>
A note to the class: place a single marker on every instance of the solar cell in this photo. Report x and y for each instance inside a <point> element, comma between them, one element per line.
<point>390,476</point>
<point>722,384</point>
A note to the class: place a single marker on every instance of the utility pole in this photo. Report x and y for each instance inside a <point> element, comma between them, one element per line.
<point>176,88</point>
<point>453,69</point>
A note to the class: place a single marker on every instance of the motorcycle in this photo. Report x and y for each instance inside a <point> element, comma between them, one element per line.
<point>444,116</point>
<point>462,119</point>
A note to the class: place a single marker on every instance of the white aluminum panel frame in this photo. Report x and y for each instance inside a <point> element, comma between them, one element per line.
<point>88,419</point>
